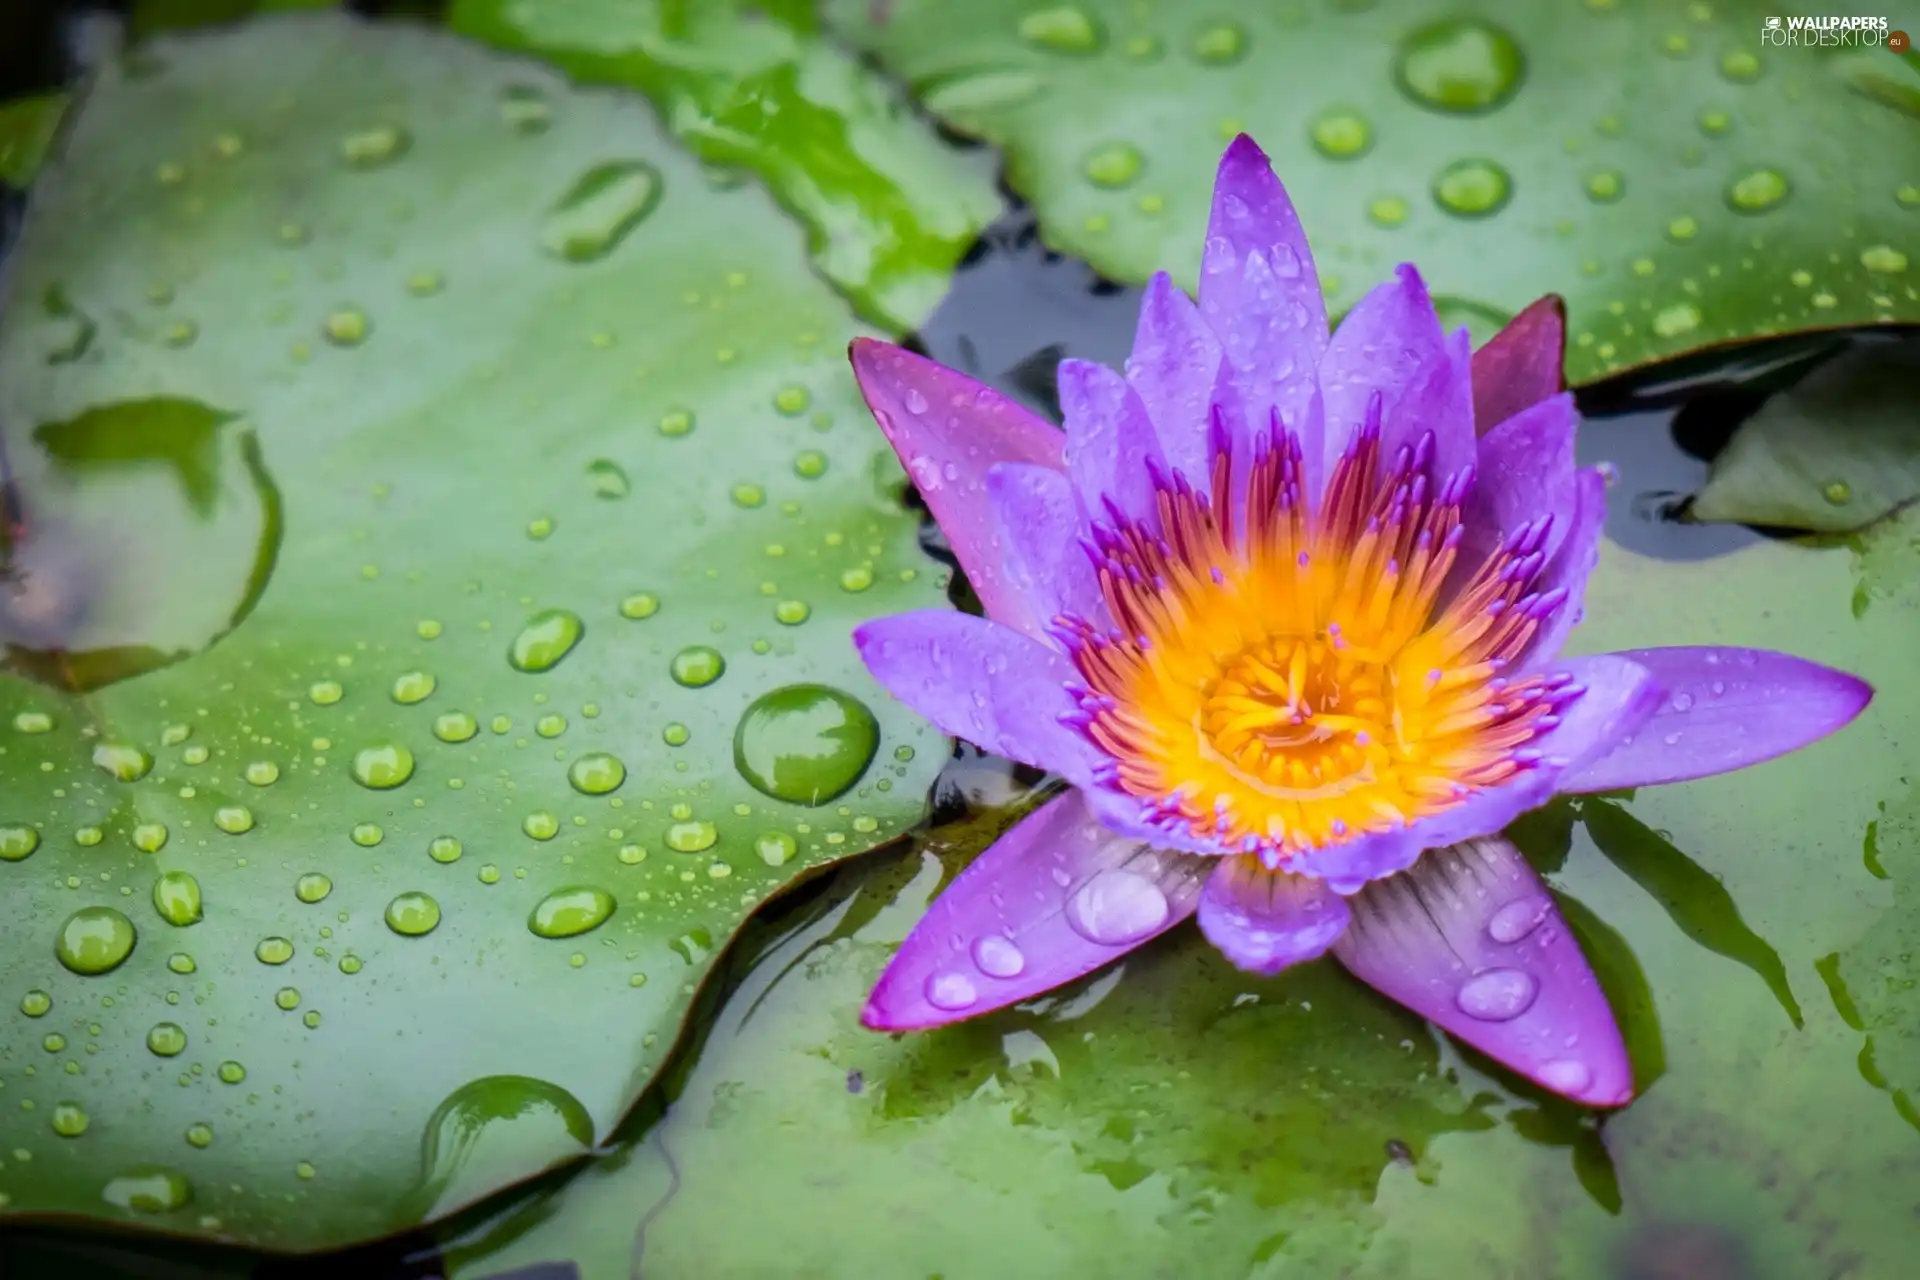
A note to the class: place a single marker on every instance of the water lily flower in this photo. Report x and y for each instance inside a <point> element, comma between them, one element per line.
<point>1286,610</point>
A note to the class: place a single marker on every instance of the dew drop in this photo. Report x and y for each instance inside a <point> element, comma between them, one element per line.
<point>263,773</point>
<point>1472,188</point>
<point>150,837</point>
<point>609,479</point>
<point>1116,908</point>
<point>312,887</point>
<point>1757,190</point>
<point>166,1039</point>
<point>1837,492</point>
<point>540,825</point>
<point>176,896</point>
<point>17,843</point>
<point>1387,211</point>
<point>597,774</point>
<point>1497,995</point>
<point>1219,44</point>
<point>493,1124</point>
<point>94,940</point>
<point>383,767</point>
<point>569,912</point>
<point>234,819</point>
<point>32,722</point>
<point>376,147</point>
<point>346,327</point>
<point>444,850</point>
<point>1461,65</point>
<point>676,422</point>
<point>1065,28</point>
<point>697,666</point>
<point>324,693</point>
<point>599,210</point>
<point>776,848</point>
<point>810,464</point>
<point>231,1072</point>
<point>413,914</point>
<point>691,837</point>
<point>1518,918</point>
<point>525,109</point>
<point>69,1119</point>
<point>199,1134</point>
<point>455,726</point>
<point>181,962</point>
<point>123,761</point>
<point>547,638</point>
<point>413,686</point>
<point>36,1003</point>
<point>1676,320</point>
<point>676,734</point>
<point>1341,134</point>
<point>148,1189</point>
<point>997,957</point>
<point>792,400</point>
<point>805,743</point>
<point>1112,164</point>
<point>951,991</point>
<point>640,604</point>
<point>1883,260</point>
<point>273,951</point>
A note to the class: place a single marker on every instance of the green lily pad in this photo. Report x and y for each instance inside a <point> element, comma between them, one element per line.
<point>1876,981</point>
<point>1172,1116</point>
<point>1833,454</point>
<point>433,501</point>
<point>753,86</point>
<point>1681,183</point>
<point>27,129</point>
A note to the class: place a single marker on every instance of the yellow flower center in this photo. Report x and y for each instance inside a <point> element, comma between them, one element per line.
<point>1294,679</point>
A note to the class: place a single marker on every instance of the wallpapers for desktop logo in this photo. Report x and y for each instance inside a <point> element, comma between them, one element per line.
<point>1843,32</point>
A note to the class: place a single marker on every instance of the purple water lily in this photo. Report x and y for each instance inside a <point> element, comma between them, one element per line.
<point>1287,622</point>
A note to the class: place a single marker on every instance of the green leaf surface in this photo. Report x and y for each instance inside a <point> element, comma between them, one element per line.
<point>1833,454</point>
<point>1876,981</point>
<point>1680,182</point>
<point>754,87</point>
<point>1172,1117</point>
<point>27,129</point>
<point>434,502</point>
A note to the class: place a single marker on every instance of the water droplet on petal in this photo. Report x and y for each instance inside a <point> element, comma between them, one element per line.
<point>997,957</point>
<point>1497,995</point>
<point>1565,1075</point>
<point>951,991</point>
<point>1518,918</point>
<point>1116,908</point>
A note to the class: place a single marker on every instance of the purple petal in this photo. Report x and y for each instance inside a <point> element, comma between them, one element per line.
<point>1618,698</point>
<point>1040,530</point>
<point>1524,471</point>
<point>1391,342</point>
<point>1270,365</point>
<point>1272,314</point>
<point>949,431</point>
<point>1265,920</point>
<point>983,682</point>
<point>1725,709</point>
<point>1127,815</point>
<point>1112,452</point>
<point>1569,569</point>
<point>1470,939</point>
<point>1174,361</point>
<point>1521,365</point>
<point>1056,897</point>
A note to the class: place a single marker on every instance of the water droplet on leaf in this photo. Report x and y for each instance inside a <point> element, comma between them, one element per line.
<point>805,743</point>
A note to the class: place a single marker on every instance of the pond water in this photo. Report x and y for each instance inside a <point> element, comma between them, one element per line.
<point>428,816</point>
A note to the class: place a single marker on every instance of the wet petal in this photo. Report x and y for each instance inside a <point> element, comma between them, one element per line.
<point>1725,709</point>
<point>1271,369</point>
<point>1265,920</point>
<point>1524,471</point>
<point>982,682</point>
<point>1618,697</point>
<point>1471,940</point>
<point>1040,530</point>
<point>1112,451</point>
<point>1272,315</point>
<point>1056,897</point>
<point>1174,361</point>
<point>1521,365</point>
<point>1569,569</point>
<point>949,431</point>
<point>1391,342</point>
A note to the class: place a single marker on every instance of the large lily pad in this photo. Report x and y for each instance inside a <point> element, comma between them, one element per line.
<point>1170,1116</point>
<point>751,84</point>
<point>1682,183</point>
<point>518,465</point>
<point>27,126</point>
